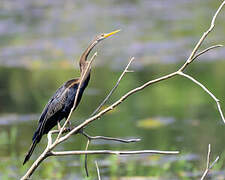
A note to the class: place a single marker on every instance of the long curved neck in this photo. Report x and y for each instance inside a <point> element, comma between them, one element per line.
<point>84,56</point>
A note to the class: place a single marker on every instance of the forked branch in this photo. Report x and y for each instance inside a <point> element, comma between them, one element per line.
<point>114,88</point>
<point>208,166</point>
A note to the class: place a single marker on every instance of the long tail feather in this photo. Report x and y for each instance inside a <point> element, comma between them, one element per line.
<point>33,145</point>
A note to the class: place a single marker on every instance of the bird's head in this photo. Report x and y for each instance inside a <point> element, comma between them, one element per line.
<point>103,36</point>
<point>83,59</point>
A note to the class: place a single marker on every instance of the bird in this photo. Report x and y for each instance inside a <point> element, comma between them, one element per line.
<point>61,103</point>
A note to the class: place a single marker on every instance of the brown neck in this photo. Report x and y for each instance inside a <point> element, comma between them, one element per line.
<point>83,59</point>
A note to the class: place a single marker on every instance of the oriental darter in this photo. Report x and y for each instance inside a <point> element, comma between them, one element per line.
<point>59,106</point>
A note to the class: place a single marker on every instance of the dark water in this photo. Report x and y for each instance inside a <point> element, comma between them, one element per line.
<point>38,44</point>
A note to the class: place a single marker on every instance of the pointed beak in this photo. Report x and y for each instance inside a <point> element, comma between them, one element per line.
<point>109,34</point>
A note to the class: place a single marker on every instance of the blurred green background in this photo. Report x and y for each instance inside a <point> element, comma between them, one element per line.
<point>40,46</point>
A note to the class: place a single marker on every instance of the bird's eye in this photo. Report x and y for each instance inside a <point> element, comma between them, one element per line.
<point>100,37</point>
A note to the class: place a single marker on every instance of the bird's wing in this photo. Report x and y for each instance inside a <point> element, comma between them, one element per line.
<point>55,104</point>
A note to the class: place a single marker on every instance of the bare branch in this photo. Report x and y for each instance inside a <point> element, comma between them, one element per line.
<point>208,166</point>
<point>114,88</point>
<point>214,162</point>
<point>206,50</point>
<point>57,131</point>
<point>208,156</point>
<point>207,91</point>
<point>109,138</point>
<point>99,177</point>
<point>49,139</point>
<point>215,16</point>
<point>63,153</point>
<point>205,34</point>
<point>85,159</point>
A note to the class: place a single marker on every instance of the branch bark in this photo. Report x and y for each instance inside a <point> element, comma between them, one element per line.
<point>66,153</point>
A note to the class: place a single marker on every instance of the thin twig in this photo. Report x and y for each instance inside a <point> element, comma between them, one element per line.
<point>114,88</point>
<point>207,91</point>
<point>208,166</point>
<point>214,162</point>
<point>208,156</point>
<point>85,158</point>
<point>98,172</point>
<point>206,50</point>
<point>62,153</point>
<point>57,131</point>
<point>109,138</point>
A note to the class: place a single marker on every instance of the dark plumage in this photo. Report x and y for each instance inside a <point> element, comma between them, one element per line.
<point>62,101</point>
